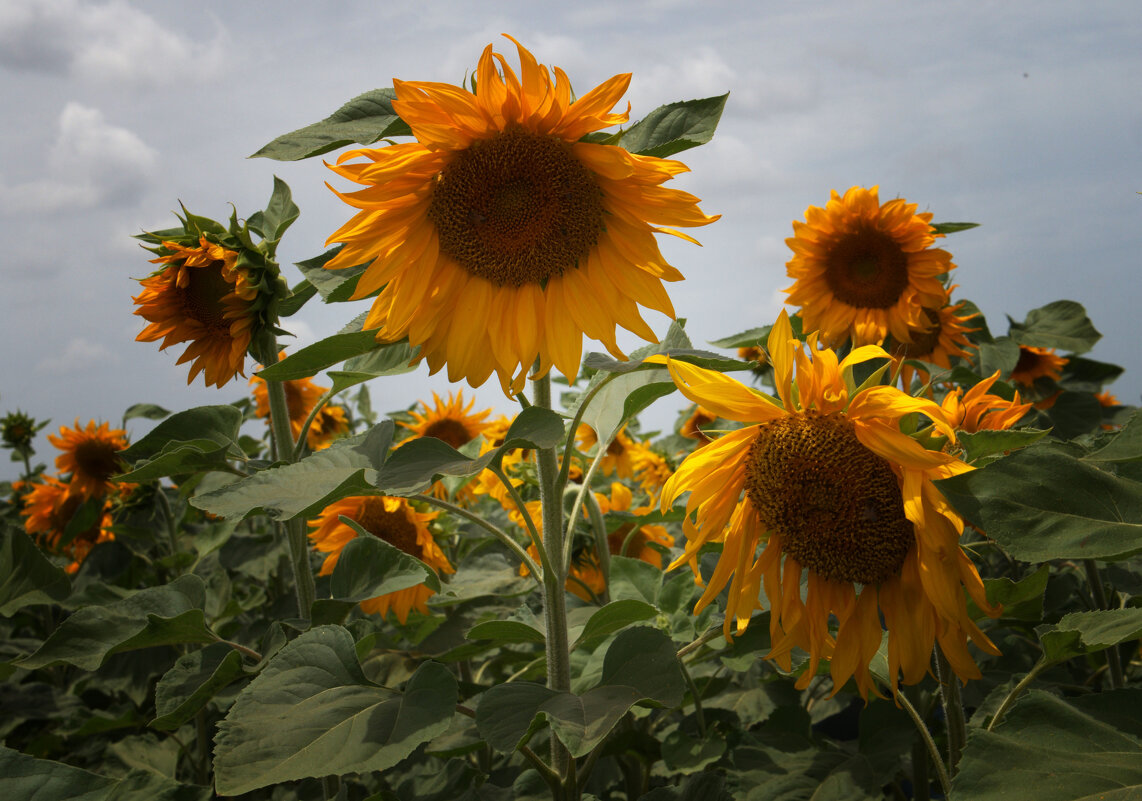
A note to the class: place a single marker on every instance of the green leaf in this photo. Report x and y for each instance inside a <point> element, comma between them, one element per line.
<point>953,227</point>
<point>750,338</point>
<point>506,631</point>
<point>25,777</point>
<point>172,613</point>
<point>506,712</point>
<point>1039,505</point>
<point>417,463</point>
<point>26,575</point>
<point>188,442</point>
<point>298,296</point>
<point>634,578</point>
<point>370,567</point>
<point>396,358</point>
<point>148,411</point>
<point>281,212</point>
<point>192,682</point>
<point>1086,632</point>
<point>615,616</point>
<point>1000,354</point>
<point>1044,736</point>
<point>1062,324</point>
<point>365,119</point>
<point>311,712</point>
<point>347,467</point>
<point>1126,446</point>
<point>1087,375</point>
<point>684,754</point>
<point>312,359</point>
<point>675,127</point>
<point>334,286</point>
<point>1073,414</point>
<point>1022,600</point>
<point>989,443</point>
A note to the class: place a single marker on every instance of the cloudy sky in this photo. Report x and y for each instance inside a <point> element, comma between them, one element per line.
<point>1025,116</point>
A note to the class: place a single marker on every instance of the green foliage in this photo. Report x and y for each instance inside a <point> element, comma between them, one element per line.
<point>312,712</point>
<point>675,127</point>
<point>26,576</point>
<point>369,567</point>
<point>365,119</point>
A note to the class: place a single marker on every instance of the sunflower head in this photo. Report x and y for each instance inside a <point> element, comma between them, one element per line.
<point>49,508</point>
<point>500,235</point>
<point>449,421</point>
<point>215,289</point>
<point>822,484</point>
<point>393,520</point>
<point>979,410</point>
<point>1036,363</point>
<point>864,270</point>
<point>943,337</point>
<point>91,455</point>
<point>691,427</point>
<point>17,430</point>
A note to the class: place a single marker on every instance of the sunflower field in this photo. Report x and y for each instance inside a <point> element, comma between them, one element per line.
<point>887,551</point>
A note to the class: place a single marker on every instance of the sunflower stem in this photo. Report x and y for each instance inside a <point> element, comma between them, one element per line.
<point>168,518</point>
<point>303,435</point>
<point>495,531</point>
<point>1113,657</point>
<point>1018,689</point>
<point>929,743</point>
<point>554,578</point>
<point>282,438</point>
<point>584,490</point>
<point>953,709</point>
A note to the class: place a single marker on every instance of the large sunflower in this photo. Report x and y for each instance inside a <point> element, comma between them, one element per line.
<point>91,455</point>
<point>202,297</point>
<point>865,270</point>
<point>1035,363</point>
<point>396,522</point>
<point>49,508</point>
<point>499,236</point>
<point>832,487</point>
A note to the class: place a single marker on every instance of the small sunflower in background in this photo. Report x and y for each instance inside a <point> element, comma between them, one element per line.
<point>49,507</point>
<point>978,410</point>
<point>1035,363</point>
<point>499,237</point>
<point>90,454</point>
<point>301,396</point>
<point>450,421</point>
<point>943,337</point>
<point>691,427</point>
<point>832,489</point>
<point>396,522</point>
<point>864,270</point>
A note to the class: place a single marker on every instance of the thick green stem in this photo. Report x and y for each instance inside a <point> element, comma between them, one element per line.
<point>1113,657</point>
<point>554,578</point>
<point>282,438</point>
<point>953,710</point>
<point>698,713</point>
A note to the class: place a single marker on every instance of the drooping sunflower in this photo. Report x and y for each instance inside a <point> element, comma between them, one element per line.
<point>91,455</point>
<point>827,484</point>
<point>944,336</point>
<point>978,410</point>
<point>1035,363</point>
<point>49,507</point>
<point>201,296</point>
<point>499,236</point>
<point>865,270</point>
<point>301,396</point>
<point>396,522</point>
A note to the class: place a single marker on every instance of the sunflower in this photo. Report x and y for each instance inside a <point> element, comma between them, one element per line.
<point>752,353</point>
<point>91,456</point>
<point>448,421</point>
<point>618,459</point>
<point>691,427</point>
<point>865,270</point>
<point>203,297</point>
<point>301,396</point>
<point>631,539</point>
<point>977,410</point>
<point>832,487</point>
<point>498,236</point>
<point>1036,363</point>
<point>943,336</point>
<point>49,508</point>
<point>396,522</point>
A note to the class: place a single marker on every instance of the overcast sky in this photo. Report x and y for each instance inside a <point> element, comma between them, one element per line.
<point>1022,115</point>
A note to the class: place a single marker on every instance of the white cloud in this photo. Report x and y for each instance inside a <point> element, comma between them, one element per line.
<point>91,162</point>
<point>79,354</point>
<point>110,42</point>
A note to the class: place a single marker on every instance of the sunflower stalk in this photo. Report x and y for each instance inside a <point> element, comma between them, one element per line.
<point>929,743</point>
<point>495,531</point>
<point>282,438</point>
<point>1113,658</point>
<point>602,544</point>
<point>953,709</point>
<point>554,577</point>
<point>303,435</point>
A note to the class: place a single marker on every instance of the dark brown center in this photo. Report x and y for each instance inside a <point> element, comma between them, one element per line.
<point>453,432</point>
<point>202,297</point>
<point>835,504</point>
<point>923,342</point>
<point>866,269</point>
<point>395,528</point>
<point>517,208</point>
<point>97,459</point>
